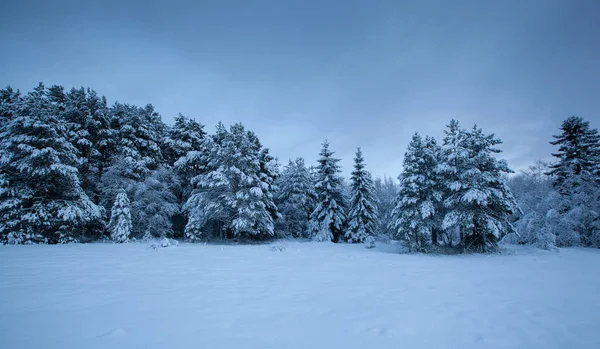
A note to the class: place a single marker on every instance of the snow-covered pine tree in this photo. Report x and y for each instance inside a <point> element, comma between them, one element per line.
<point>41,199</point>
<point>87,123</point>
<point>139,133</point>
<point>329,217</point>
<point>154,204</point>
<point>362,214</point>
<point>416,207</point>
<point>184,152</point>
<point>233,195</point>
<point>9,100</point>
<point>136,152</point>
<point>295,199</point>
<point>120,225</point>
<point>184,136</point>
<point>478,202</point>
<point>576,176</point>
<point>578,156</point>
<point>385,192</point>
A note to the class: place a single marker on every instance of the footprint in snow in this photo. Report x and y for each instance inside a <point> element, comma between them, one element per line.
<point>115,332</point>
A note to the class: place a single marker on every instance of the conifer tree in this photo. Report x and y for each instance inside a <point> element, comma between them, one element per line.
<point>478,202</point>
<point>416,207</point>
<point>295,199</point>
<point>120,225</point>
<point>329,217</point>
<point>362,213</point>
<point>578,156</point>
<point>234,193</point>
<point>41,198</point>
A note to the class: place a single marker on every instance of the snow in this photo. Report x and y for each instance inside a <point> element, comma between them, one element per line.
<point>298,295</point>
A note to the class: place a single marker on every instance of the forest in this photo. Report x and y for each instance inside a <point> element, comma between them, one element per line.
<point>75,169</point>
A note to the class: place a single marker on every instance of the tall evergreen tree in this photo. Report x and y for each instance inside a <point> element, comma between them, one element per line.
<point>578,156</point>
<point>232,197</point>
<point>362,213</point>
<point>478,201</point>
<point>329,217</point>
<point>416,206</point>
<point>9,101</point>
<point>184,136</point>
<point>295,199</point>
<point>41,199</point>
<point>87,126</point>
<point>120,225</point>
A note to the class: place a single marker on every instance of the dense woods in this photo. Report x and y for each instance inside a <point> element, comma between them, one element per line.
<point>74,169</point>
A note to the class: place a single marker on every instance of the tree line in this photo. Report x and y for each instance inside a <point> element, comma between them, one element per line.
<point>74,169</point>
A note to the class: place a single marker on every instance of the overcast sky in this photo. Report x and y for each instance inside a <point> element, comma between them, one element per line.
<point>368,73</point>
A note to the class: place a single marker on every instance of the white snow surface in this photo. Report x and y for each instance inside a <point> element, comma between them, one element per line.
<point>299,295</point>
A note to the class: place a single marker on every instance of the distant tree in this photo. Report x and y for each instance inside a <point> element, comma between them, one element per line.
<point>120,225</point>
<point>9,101</point>
<point>578,156</point>
<point>295,199</point>
<point>154,205</point>
<point>329,216</point>
<point>385,191</point>
<point>362,213</point>
<point>576,176</point>
<point>41,199</point>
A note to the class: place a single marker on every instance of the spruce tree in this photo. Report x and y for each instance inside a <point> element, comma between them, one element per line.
<point>86,118</point>
<point>478,201</point>
<point>329,217</point>
<point>41,197</point>
<point>9,100</point>
<point>295,199</point>
<point>233,197</point>
<point>416,207</point>
<point>120,225</point>
<point>184,136</point>
<point>362,213</point>
<point>578,156</point>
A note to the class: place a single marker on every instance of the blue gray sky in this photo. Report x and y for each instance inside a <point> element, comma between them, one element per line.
<point>359,73</point>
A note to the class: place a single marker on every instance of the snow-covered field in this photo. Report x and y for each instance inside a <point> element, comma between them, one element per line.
<point>307,296</point>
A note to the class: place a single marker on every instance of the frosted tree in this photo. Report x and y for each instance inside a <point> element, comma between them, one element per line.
<point>139,133</point>
<point>9,100</point>
<point>329,216</point>
<point>41,199</point>
<point>184,136</point>
<point>136,151</point>
<point>478,201</point>
<point>234,195</point>
<point>362,214</point>
<point>385,192</point>
<point>578,155</point>
<point>87,123</point>
<point>416,207</point>
<point>154,204</point>
<point>295,199</point>
<point>120,225</point>
<point>538,221</point>
<point>576,176</point>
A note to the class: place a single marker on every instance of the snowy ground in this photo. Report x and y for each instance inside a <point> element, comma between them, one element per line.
<point>307,296</point>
